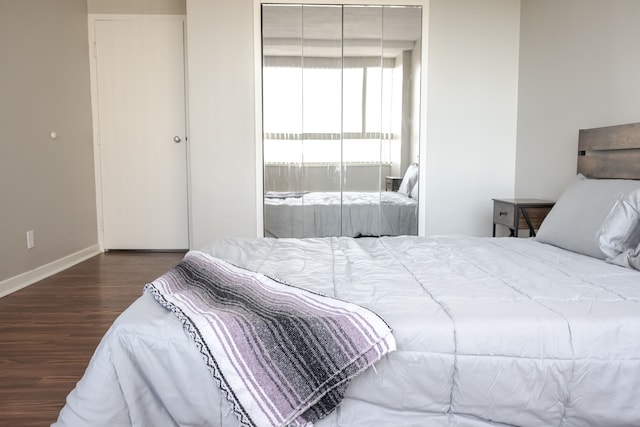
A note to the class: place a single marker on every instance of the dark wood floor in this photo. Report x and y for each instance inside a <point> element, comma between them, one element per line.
<point>49,330</point>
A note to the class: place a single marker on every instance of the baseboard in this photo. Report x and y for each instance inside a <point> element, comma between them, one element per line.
<point>23,280</point>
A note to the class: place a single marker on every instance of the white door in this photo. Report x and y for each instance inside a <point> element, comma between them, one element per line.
<point>140,85</point>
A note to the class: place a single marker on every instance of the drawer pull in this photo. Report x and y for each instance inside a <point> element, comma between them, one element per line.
<point>502,213</point>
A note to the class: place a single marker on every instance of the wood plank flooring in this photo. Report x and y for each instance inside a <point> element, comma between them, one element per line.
<point>49,330</point>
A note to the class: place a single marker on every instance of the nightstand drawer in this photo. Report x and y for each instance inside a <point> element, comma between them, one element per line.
<point>504,213</point>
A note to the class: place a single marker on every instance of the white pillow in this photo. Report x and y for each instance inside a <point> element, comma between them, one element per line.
<point>409,180</point>
<point>634,257</point>
<point>595,217</point>
<point>629,258</point>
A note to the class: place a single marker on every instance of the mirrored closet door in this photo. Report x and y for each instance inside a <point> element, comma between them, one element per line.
<point>341,91</point>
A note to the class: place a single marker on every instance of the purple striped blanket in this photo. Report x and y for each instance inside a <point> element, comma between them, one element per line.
<point>280,354</point>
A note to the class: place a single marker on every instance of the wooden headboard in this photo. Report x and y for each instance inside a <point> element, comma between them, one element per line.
<point>610,152</point>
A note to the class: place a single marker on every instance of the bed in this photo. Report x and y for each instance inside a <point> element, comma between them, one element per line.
<point>487,331</point>
<point>351,214</point>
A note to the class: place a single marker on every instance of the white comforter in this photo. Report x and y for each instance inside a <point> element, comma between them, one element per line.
<point>489,332</point>
<point>352,214</point>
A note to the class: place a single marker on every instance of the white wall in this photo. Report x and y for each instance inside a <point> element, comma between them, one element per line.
<point>471,125</point>
<point>472,84</point>
<point>579,68</point>
<point>221,112</point>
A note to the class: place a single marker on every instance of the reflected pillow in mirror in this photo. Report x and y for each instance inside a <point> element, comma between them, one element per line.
<point>595,217</point>
<point>409,179</point>
<point>414,191</point>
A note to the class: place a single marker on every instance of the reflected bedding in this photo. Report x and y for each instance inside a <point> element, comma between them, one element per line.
<point>351,214</point>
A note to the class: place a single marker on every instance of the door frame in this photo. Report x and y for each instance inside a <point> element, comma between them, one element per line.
<point>97,159</point>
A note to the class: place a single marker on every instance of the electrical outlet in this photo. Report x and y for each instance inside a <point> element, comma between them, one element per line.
<point>30,240</point>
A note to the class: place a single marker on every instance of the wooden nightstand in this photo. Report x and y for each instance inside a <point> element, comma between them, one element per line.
<point>393,183</point>
<point>519,214</point>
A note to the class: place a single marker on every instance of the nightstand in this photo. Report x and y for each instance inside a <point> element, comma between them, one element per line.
<point>393,183</point>
<point>517,214</point>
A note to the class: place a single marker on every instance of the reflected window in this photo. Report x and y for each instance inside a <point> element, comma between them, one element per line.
<point>358,89</point>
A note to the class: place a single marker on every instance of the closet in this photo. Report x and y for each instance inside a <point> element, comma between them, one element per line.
<point>341,108</point>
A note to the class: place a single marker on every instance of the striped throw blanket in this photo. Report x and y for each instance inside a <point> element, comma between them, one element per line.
<point>281,355</point>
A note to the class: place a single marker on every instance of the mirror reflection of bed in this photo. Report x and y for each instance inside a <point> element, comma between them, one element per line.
<point>341,91</point>
<point>347,213</point>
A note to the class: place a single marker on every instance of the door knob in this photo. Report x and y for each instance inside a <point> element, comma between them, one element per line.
<point>177,139</point>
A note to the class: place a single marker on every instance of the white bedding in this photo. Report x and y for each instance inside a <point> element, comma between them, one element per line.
<point>504,331</point>
<point>351,214</point>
